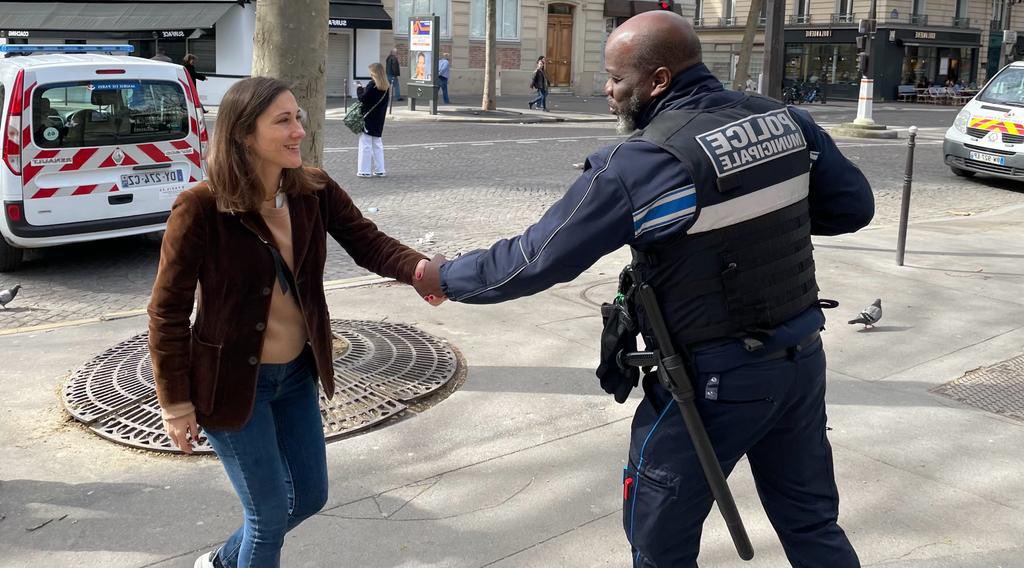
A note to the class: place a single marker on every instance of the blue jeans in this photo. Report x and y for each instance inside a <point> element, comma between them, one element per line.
<point>541,99</point>
<point>443,83</point>
<point>396,86</point>
<point>277,463</point>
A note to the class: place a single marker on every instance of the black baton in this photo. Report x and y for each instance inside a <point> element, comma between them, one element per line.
<point>673,376</point>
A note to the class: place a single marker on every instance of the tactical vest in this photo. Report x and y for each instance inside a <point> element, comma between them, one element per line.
<point>745,266</point>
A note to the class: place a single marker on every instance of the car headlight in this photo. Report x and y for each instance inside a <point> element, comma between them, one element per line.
<point>960,123</point>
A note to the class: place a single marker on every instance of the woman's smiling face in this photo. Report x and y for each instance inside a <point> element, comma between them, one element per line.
<point>278,134</point>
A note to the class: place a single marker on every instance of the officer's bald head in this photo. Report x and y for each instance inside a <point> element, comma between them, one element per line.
<point>641,58</point>
<point>656,39</point>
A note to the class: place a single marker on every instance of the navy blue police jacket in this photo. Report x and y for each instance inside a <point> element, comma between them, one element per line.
<point>608,207</point>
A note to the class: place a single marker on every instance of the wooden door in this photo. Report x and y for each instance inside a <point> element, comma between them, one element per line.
<point>559,52</point>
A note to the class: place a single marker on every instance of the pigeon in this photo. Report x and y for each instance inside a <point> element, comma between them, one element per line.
<point>870,315</point>
<point>7,295</point>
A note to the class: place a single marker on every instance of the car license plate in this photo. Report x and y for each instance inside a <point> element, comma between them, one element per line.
<point>148,179</point>
<point>988,158</point>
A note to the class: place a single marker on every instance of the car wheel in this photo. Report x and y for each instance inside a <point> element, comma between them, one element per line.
<point>962,173</point>
<point>10,257</point>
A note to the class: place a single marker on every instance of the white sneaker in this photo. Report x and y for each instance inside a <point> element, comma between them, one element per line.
<point>379,174</point>
<point>365,175</point>
<point>208,560</point>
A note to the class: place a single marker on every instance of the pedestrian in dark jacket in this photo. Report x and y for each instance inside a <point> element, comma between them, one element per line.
<point>371,145</point>
<point>251,366</point>
<point>189,63</point>
<point>394,73</point>
<point>540,84</point>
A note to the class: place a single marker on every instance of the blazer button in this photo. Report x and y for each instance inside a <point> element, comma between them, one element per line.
<point>265,291</point>
<point>253,360</point>
<point>261,326</point>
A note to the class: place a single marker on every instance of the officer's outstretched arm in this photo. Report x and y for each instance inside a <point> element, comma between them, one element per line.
<point>591,220</point>
<point>840,196</point>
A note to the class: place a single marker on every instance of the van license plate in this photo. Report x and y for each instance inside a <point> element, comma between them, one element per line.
<point>148,179</point>
<point>988,158</point>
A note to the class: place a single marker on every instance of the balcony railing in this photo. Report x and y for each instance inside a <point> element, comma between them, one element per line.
<point>919,19</point>
<point>844,18</point>
<point>798,19</point>
<point>728,22</point>
<point>700,22</point>
<point>995,25</point>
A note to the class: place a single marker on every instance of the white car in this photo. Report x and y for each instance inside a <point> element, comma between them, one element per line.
<point>988,134</point>
<point>94,146</point>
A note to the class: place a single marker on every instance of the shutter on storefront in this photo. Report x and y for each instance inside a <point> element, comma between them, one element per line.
<point>337,63</point>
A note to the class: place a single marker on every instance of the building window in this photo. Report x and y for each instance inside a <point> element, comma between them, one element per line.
<point>803,7</point>
<point>729,9</point>
<point>404,9</point>
<point>507,26</point>
<point>918,8</point>
<point>961,9</point>
<point>845,7</point>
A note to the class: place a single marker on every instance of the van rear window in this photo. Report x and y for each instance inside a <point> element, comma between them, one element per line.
<point>103,113</point>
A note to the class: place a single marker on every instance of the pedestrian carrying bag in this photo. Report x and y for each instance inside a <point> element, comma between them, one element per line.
<point>355,118</point>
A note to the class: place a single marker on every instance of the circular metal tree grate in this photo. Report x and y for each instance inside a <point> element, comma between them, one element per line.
<point>385,366</point>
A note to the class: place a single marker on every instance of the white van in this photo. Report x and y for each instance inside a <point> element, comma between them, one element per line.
<point>94,146</point>
<point>988,134</point>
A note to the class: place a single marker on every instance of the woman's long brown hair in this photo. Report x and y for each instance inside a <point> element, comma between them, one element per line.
<point>231,169</point>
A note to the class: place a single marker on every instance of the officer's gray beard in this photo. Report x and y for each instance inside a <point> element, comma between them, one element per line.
<point>628,117</point>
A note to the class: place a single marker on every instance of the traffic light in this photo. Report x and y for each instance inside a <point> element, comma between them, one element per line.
<point>862,63</point>
<point>665,4</point>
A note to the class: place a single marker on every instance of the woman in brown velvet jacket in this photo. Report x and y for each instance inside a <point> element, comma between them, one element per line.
<point>253,239</point>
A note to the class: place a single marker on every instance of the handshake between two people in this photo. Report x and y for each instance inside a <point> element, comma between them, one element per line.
<point>427,280</point>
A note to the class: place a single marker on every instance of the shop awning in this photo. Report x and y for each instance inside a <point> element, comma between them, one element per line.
<point>111,16</point>
<point>359,15</point>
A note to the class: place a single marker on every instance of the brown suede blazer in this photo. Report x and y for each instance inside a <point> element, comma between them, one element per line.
<point>214,363</point>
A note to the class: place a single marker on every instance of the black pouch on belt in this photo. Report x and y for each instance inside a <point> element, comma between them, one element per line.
<point>619,334</point>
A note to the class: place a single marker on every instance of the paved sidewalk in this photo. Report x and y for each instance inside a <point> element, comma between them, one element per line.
<point>522,466</point>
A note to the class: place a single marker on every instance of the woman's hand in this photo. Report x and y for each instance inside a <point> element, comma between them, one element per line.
<point>427,280</point>
<point>183,431</point>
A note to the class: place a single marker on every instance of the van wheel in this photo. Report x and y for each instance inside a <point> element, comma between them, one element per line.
<point>962,173</point>
<point>10,257</point>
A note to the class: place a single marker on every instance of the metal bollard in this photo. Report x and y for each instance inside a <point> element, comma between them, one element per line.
<point>908,178</point>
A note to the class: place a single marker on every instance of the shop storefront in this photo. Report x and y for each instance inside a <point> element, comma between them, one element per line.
<point>826,57</point>
<point>900,56</point>
<point>923,57</point>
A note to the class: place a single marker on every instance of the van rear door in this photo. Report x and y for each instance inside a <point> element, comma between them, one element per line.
<point>107,143</point>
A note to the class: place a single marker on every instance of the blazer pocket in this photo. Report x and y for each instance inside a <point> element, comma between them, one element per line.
<point>204,367</point>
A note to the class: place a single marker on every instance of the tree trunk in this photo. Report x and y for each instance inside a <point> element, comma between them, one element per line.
<point>490,63</point>
<point>290,43</point>
<point>743,65</point>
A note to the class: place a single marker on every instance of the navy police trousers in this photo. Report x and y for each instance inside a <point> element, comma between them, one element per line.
<point>769,406</point>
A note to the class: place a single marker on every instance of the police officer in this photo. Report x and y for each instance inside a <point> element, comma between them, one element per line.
<point>718,194</point>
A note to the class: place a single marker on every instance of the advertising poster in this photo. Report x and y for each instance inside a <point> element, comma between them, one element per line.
<point>420,65</point>
<point>419,35</point>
